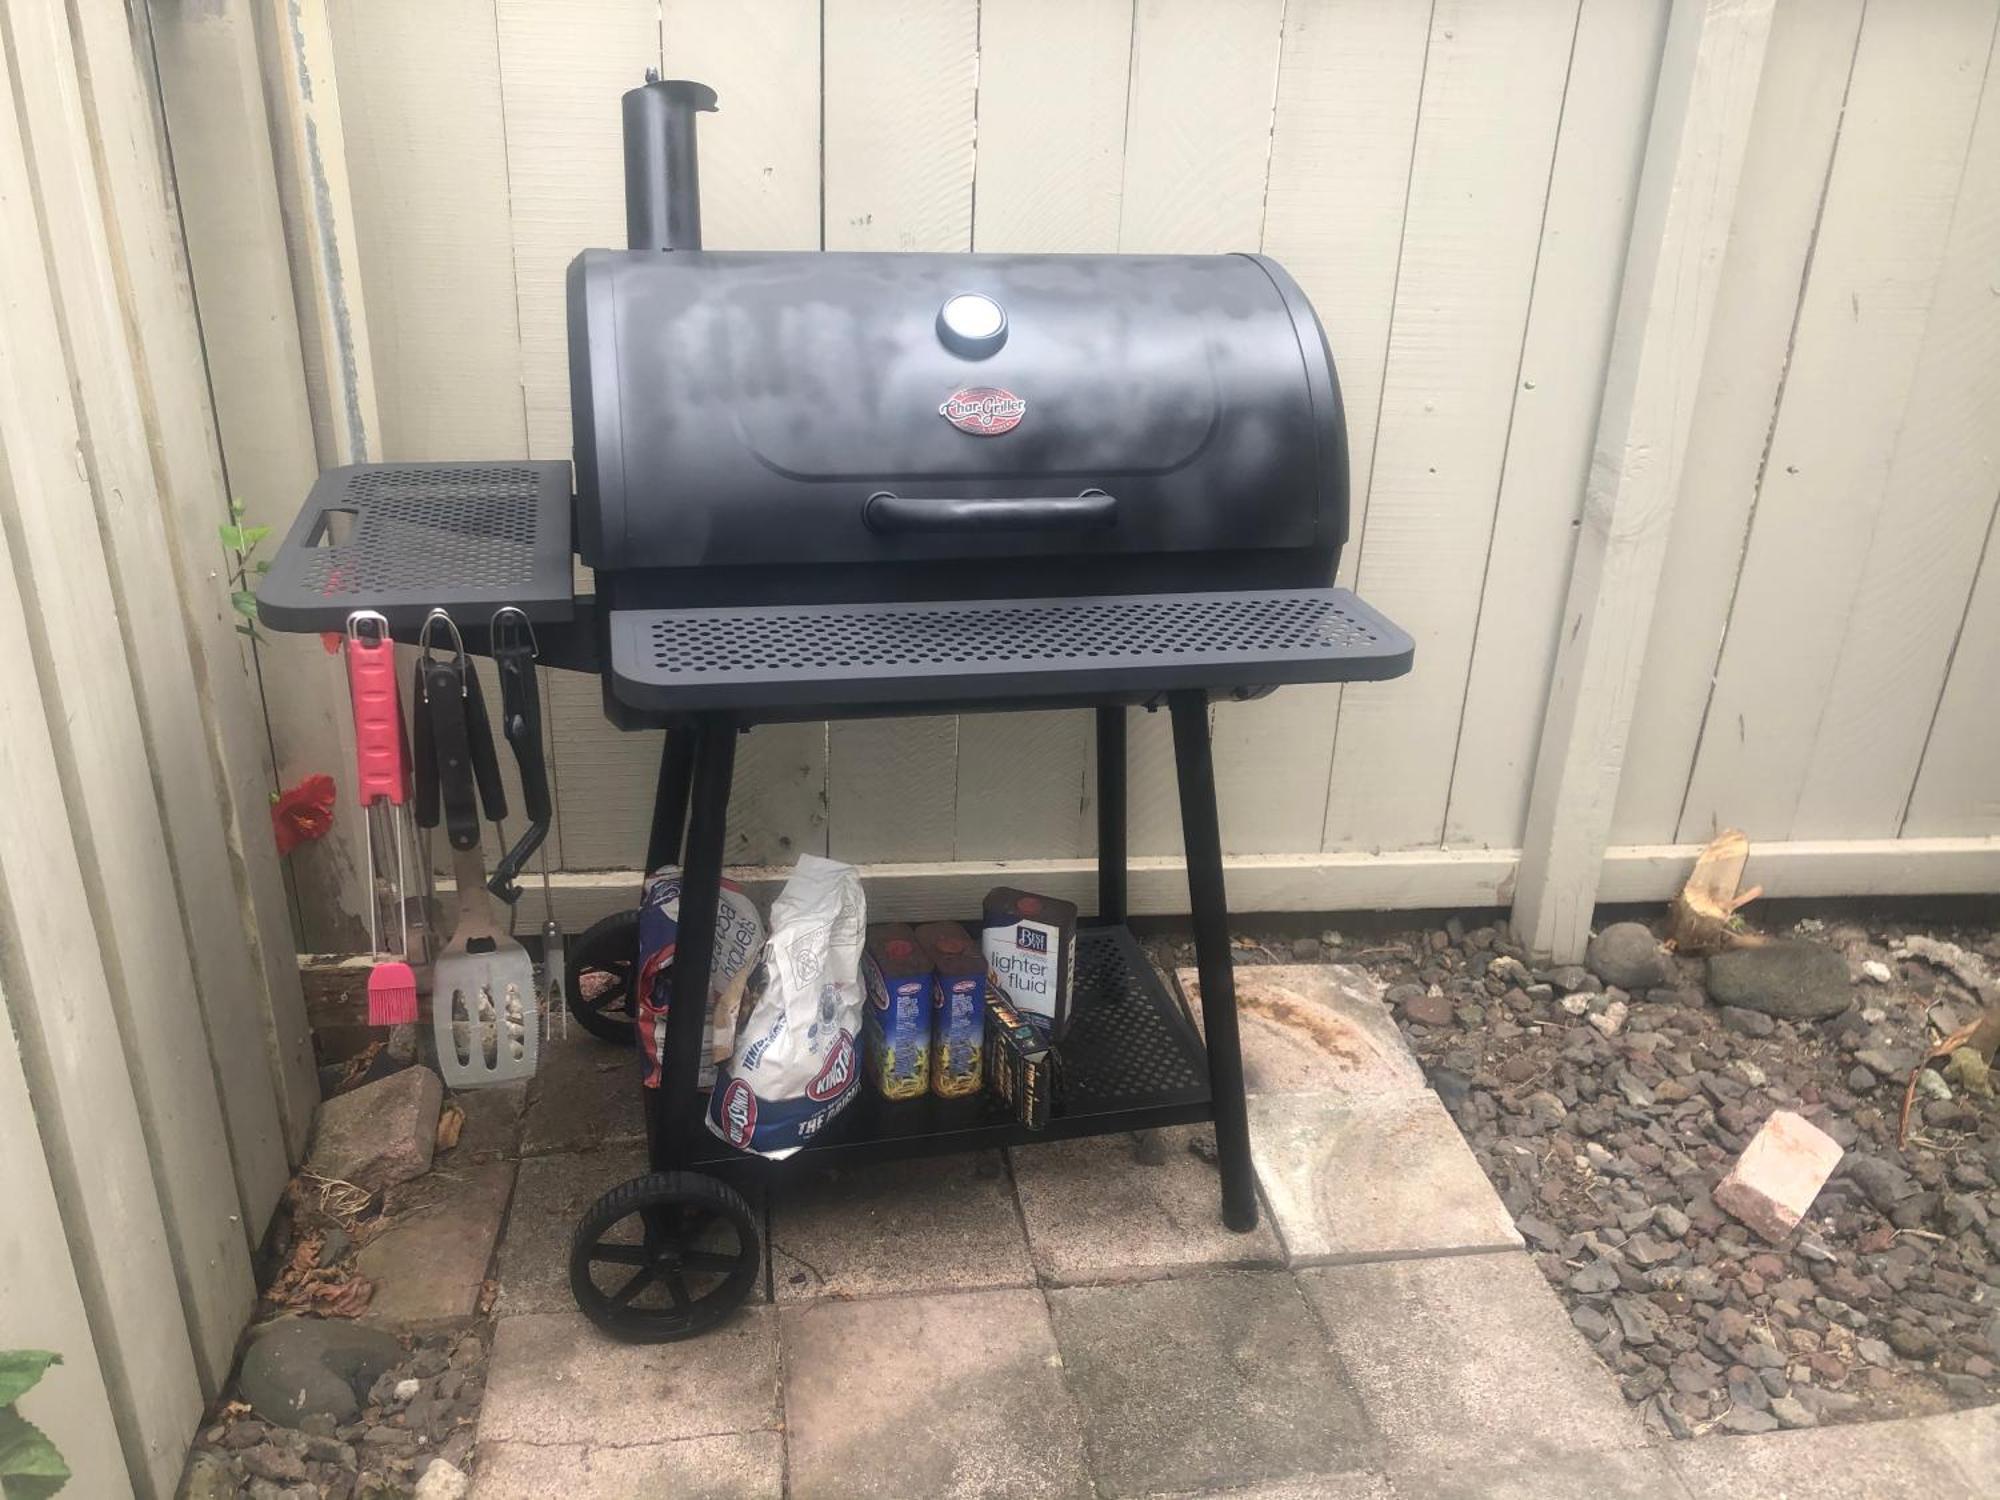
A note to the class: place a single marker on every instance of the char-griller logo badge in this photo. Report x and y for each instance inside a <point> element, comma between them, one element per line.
<point>983,410</point>
<point>1031,940</point>
<point>833,1078</point>
<point>739,1112</point>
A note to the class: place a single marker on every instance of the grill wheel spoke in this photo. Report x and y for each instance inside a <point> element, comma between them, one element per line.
<point>698,1240</point>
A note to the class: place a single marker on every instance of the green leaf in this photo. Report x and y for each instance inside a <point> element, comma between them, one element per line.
<point>30,1466</point>
<point>20,1369</point>
<point>245,603</point>
<point>232,537</point>
<point>237,507</point>
<point>260,567</point>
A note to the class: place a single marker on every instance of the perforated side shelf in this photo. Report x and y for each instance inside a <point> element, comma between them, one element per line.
<point>833,654</point>
<point>402,538</point>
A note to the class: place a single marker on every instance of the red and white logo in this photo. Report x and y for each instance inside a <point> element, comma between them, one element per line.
<point>836,1074</point>
<point>739,1112</point>
<point>983,410</point>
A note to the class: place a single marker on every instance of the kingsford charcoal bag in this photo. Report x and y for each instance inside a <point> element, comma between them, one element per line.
<point>795,1067</point>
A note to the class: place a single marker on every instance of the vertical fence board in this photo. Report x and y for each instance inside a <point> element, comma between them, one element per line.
<point>1048,181</point>
<point>1792,136</point>
<point>1606,110</point>
<point>1349,79</point>
<point>73,638</point>
<point>1874,273</point>
<point>1929,531</point>
<point>41,1306</point>
<point>153,272</point>
<point>1197,156</point>
<point>59,1002</point>
<point>1493,91</point>
<point>1958,786</point>
<point>197,892</point>
<point>212,94</point>
<point>899,159</point>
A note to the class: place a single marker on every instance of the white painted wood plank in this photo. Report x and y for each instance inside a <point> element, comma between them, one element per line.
<point>1349,79</point>
<point>1709,67</point>
<point>1051,151</point>
<point>427,166</point>
<point>1197,156</point>
<point>562,71</point>
<point>1198,131</point>
<point>898,156</point>
<point>1929,531</point>
<point>760,150</point>
<point>216,970</point>
<point>1895,178</point>
<point>212,93</point>
<point>1486,131</point>
<point>1792,133</point>
<point>1048,181</point>
<point>58,511</point>
<point>41,1306</point>
<point>1605,113</point>
<point>1403,880</point>
<point>181,427</point>
<point>59,1005</point>
<point>1958,787</point>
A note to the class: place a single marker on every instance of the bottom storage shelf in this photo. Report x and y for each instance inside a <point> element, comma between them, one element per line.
<point>1131,1060</point>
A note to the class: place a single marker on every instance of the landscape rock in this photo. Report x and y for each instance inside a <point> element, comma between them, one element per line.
<point>443,1481</point>
<point>1795,981</point>
<point>1778,1175</point>
<point>305,1366</point>
<point>1628,955</point>
<point>380,1134</point>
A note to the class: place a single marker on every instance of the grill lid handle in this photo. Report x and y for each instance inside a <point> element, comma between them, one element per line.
<point>1081,512</point>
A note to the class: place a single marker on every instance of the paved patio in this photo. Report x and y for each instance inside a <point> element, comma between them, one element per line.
<point>1073,1321</point>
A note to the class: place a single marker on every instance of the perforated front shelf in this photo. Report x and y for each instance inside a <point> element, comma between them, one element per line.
<point>402,538</point>
<point>830,655</point>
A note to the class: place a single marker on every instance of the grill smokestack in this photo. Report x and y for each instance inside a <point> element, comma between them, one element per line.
<point>662,180</point>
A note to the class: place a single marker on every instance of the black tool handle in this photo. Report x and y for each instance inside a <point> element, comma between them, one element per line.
<point>445,695</point>
<point>521,722</point>
<point>423,753</point>
<point>1082,512</point>
<point>485,759</point>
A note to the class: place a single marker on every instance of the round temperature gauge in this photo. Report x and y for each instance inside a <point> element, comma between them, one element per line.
<point>972,324</point>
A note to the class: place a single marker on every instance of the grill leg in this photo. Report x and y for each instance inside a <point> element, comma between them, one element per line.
<point>677,1114</point>
<point>670,799</point>
<point>1111,813</point>
<point>1199,828</point>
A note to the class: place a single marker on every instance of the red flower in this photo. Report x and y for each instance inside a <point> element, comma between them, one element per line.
<point>303,813</point>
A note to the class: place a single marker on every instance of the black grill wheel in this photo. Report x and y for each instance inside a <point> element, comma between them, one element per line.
<point>664,1257</point>
<point>602,985</point>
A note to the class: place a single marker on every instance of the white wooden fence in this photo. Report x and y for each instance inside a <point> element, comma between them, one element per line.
<point>1454,182</point>
<point>156,1080</point>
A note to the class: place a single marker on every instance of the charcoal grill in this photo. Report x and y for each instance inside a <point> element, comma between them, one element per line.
<point>821,485</point>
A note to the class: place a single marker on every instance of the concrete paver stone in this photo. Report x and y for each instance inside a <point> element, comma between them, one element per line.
<point>430,1259</point>
<point>1206,1382</point>
<point>1313,1027</point>
<point>1629,1474</point>
<point>1867,1461</point>
<point>1114,1208</point>
<point>945,1397</point>
<point>1467,1359</point>
<point>730,1466</point>
<point>1971,1437</point>
<point>585,1095</point>
<point>1372,1178</point>
<point>549,1197</point>
<point>556,1379</point>
<point>1356,1486</point>
<point>943,1223</point>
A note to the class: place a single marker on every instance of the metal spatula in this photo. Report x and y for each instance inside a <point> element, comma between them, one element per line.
<point>483,996</point>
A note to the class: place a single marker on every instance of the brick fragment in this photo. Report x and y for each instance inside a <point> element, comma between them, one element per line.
<point>1778,1175</point>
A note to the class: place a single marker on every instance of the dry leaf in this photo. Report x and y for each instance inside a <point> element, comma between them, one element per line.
<point>489,1293</point>
<point>450,1123</point>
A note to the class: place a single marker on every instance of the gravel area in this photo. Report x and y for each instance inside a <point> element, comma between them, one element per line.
<point>1605,1101</point>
